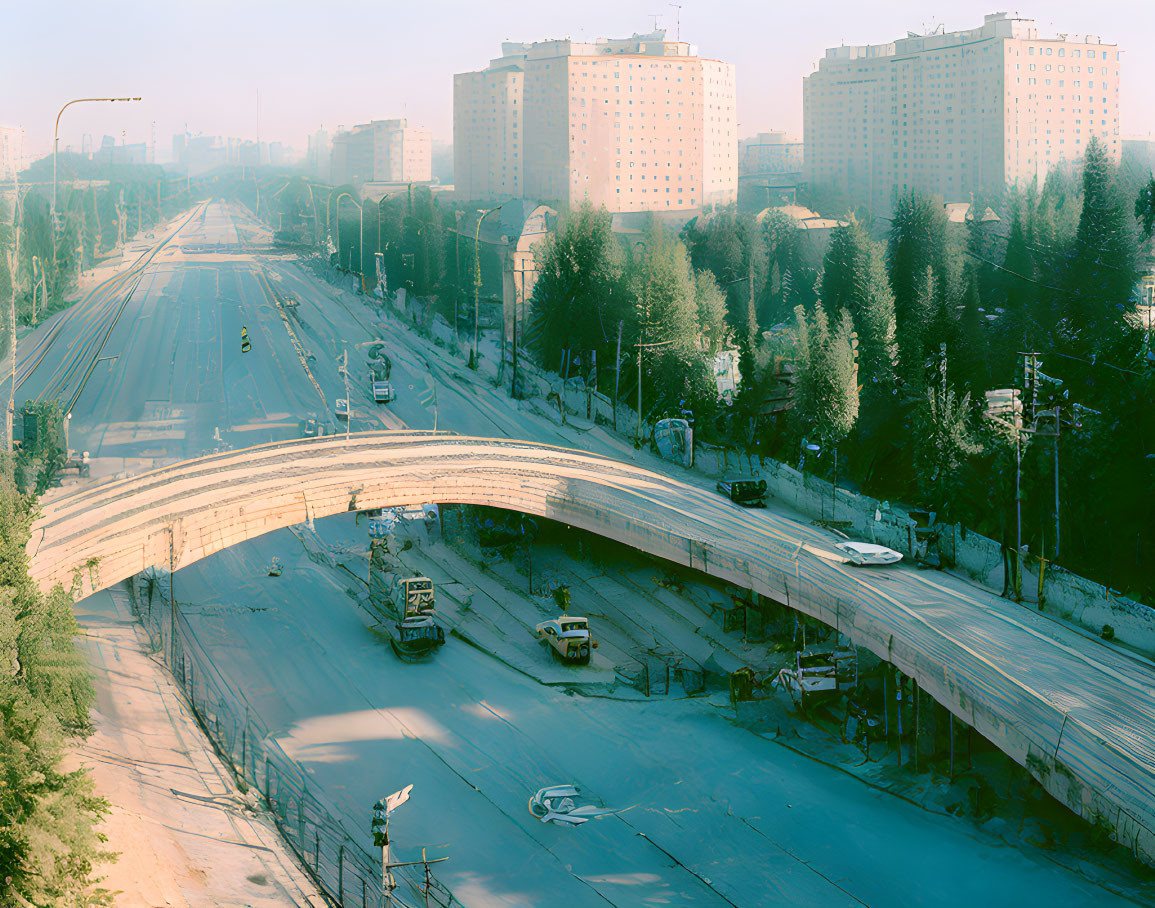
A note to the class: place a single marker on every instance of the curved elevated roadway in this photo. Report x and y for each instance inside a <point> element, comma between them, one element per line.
<point>1079,715</point>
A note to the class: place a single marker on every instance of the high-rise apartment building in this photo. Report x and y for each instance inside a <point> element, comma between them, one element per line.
<point>956,113</point>
<point>10,151</point>
<point>318,153</point>
<point>389,151</point>
<point>769,152</point>
<point>637,124</point>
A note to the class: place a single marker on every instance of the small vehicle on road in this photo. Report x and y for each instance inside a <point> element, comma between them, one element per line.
<point>415,632</point>
<point>417,636</point>
<point>745,491</point>
<point>867,553</point>
<point>342,408</point>
<point>383,392</point>
<point>569,638</point>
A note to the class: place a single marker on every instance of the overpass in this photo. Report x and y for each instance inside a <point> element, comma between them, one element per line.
<point>1079,715</point>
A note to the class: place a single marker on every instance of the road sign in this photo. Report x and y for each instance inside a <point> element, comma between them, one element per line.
<point>396,799</point>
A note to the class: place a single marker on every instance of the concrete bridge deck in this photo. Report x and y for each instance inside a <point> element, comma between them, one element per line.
<point>1079,716</point>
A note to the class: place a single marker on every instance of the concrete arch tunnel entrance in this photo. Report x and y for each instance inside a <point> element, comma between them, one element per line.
<point>1099,760</point>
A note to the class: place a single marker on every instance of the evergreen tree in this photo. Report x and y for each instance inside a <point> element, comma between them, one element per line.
<point>854,278</point>
<point>842,267</point>
<point>826,396</point>
<point>1102,273</point>
<point>1145,208</point>
<point>711,305</point>
<point>48,841</point>
<point>917,241</point>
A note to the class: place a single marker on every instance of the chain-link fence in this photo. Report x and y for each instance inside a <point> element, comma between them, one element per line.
<point>348,871</point>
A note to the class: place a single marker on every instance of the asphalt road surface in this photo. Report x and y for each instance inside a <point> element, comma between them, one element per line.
<point>154,372</point>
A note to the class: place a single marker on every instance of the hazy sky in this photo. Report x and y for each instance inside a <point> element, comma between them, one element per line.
<point>339,63</point>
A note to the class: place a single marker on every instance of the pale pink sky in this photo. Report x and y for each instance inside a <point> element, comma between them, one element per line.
<point>339,63</point>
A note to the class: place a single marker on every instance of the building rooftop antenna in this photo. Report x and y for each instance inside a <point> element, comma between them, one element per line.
<point>677,21</point>
<point>655,17</point>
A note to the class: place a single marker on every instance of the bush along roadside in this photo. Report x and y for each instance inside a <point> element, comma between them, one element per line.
<point>49,843</point>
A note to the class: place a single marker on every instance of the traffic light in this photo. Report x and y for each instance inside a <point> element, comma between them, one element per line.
<point>246,346</point>
<point>379,825</point>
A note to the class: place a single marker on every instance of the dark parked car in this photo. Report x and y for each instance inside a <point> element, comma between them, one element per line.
<point>750,493</point>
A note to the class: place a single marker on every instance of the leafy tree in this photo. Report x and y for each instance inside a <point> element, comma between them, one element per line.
<point>943,444</point>
<point>666,295</point>
<point>579,297</point>
<point>48,841</point>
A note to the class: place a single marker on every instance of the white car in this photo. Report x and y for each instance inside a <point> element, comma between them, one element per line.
<point>569,637</point>
<point>866,553</point>
<point>342,408</point>
<point>557,804</point>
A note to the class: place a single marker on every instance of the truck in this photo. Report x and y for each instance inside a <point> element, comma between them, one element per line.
<point>382,391</point>
<point>407,603</point>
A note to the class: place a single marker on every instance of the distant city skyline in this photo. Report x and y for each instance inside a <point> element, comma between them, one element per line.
<point>338,65</point>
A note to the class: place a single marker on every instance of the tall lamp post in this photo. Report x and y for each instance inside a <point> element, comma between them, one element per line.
<point>474,359</point>
<point>55,144</point>
<point>380,203</point>
<point>360,208</point>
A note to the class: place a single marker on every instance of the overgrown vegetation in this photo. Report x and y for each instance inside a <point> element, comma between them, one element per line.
<point>48,816</point>
<point>105,205</point>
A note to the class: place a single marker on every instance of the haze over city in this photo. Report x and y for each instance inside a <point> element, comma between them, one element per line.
<point>521,454</point>
<point>203,64</point>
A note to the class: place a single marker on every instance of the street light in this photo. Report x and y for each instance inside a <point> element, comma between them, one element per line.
<point>381,251</point>
<point>362,210</point>
<point>474,359</point>
<point>55,143</point>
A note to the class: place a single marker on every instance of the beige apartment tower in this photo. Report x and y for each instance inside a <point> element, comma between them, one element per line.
<point>639,124</point>
<point>957,113</point>
<point>389,151</point>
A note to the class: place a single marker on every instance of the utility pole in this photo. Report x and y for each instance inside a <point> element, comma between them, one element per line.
<point>457,289</point>
<point>637,433</point>
<point>55,147</point>
<point>618,374</point>
<point>348,400</point>
<point>1004,406</point>
<point>475,358</point>
<point>638,427</point>
<point>13,268</point>
<point>513,385</point>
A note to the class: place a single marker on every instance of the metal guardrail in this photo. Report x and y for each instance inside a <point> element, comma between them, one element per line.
<point>345,869</point>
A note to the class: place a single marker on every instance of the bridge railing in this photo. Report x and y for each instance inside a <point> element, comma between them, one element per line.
<point>346,868</point>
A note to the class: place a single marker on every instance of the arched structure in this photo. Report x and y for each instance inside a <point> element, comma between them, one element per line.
<point>1080,716</point>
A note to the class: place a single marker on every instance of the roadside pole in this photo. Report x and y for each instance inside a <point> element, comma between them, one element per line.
<point>618,374</point>
<point>13,265</point>
<point>348,401</point>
